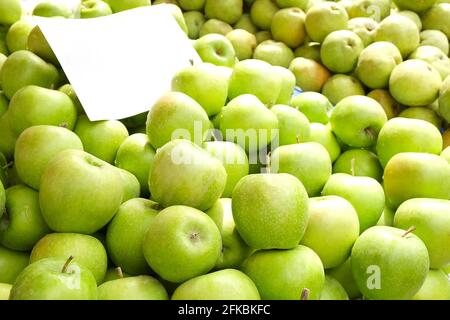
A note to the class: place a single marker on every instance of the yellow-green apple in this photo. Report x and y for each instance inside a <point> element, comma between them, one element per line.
<point>413,16</point>
<point>324,18</point>
<point>288,82</point>
<point>38,44</point>
<point>322,134</point>
<point>177,13</point>
<point>341,86</point>
<point>436,18</point>
<point>205,84</point>
<point>340,51</point>
<point>229,11</point>
<point>444,100</point>
<point>301,4</point>
<point>260,199</point>
<point>10,11</point>
<point>262,36</point>
<point>22,224</point>
<point>115,273</point>
<point>357,120</point>
<point>435,57</point>
<point>315,106</point>
<point>214,26</point>
<point>407,135</point>
<point>244,43</point>
<point>293,125</point>
<point>389,263</point>
<point>416,175</point>
<point>185,174</point>
<point>23,68</point>
<point>435,287</point>
<point>94,9</point>
<point>120,5</point>
<point>365,28</point>
<point>9,137</point>
<point>55,279</point>
<point>274,52</point>
<point>414,5</point>
<point>194,241</point>
<point>228,284</point>
<point>435,38</point>
<point>343,274</point>
<point>288,26</point>
<point>309,162</point>
<point>310,50</point>
<point>133,288</point>
<point>68,89</point>
<point>52,9</point>
<point>359,162</point>
<point>194,22</point>
<point>11,264</point>
<point>79,192</point>
<point>245,23</point>
<point>17,36</point>
<point>401,31</point>
<point>432,222</point>
<point>215,49</point>
<point>5,290</point>
<point>422,113</point>
<point>375,9</point>
<point>387,217</point>
<point>130,185</point>
<point>310,74</point>
<point>285,274</point>
<point>234,249</point>
<point>355,190</point>
<point>446,154</point>
<point>262,12</point>
<point>333,290</point>
<point>101,138</point>
<point>376,63</point>
<point>190,5</point>
<point>390,106</point>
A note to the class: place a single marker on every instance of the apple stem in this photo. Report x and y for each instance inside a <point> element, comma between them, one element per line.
<point>66,265</point>
<point>305,294</point>
<point>268,162</point>
<point>63,125</point>
<point>8,165</point>
<point>352,166</point>
<point>297,138</point>
<point>191,61</point>
<point>119,272</point>
<point>411,229</point>
<point>370,132</point>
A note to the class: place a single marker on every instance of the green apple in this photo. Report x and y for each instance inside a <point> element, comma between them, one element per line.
<point>229,284</point>
<point>274,52</point>
<point>435,57</point>
<point>247,122</point>
<point>194,22</point>
<point>11,264</point>
<point>132,288</point>
<point>245,23</point>
<point>435,38</point>
<point>215,49</point>
<point>376,63</point>
<point>233,159</point>
<point>413,16</point>
<point>333,290</point>
<point>341,86</point>
<point>4,180</point>
<point>260,199</point>
<point>52,9</point>
<point>176,12</point>
<point>38,44</point>
<point>5,290</point>
<point>68,89</point>
<point>182,243</point>
<point>432,223</point>
<point>375,9</point>
<point>389,263</point>
<point>357,120</point>
<point>407,135</point>
<point>130,184</point>
<point>33,105</point>
<point>94,9</point>
<point>322,134</point>
<point>415,5</point>
<point>387,217</point>
<point>136,155</point>
<point>343,274</point>
<point>293,125</point>
<point>364,193</point>
<point>285,274</point>
<point>416,175</point>
<point>422,113</point>
<point>101,138</point>
<point>54,279</point>
<point>205,84</point>
<point>33,152</point>
<point>309,162</point>
<point>310,50</point>
<point>340,51</point>
<point>22,224</point>
<point>436,18</point>
<point>262,12</point>
<point>229,11</point>
<point>120,5</point>
<point>17,36</point>
<point>85,250</point>
<point>435,287</point>
<point>114,274</point>
<point>234,249</point>
<point>214,26</point>
<point>126,233</point>
<point>244,43</point>
<point>332,230</point>
<point>262,36</point>
<point>301,4</point>
<point>288,26</point>
<point>365,28</point>
<point>401,31</point>
<point>310,74</point>
<point>315,106</point>
<point>10,11</point>
<point>255,77</point>
<point>79,192</point>
<point>288,83</point>
<point>190,5</point>
<point>383,97</point>
<point>446,154</point>
<point>360,163</point>
<point>23,68</point>
<point>185,174</point>
<point>324,18</point>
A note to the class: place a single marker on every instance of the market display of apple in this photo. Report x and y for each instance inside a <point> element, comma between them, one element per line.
<point>306,156</point>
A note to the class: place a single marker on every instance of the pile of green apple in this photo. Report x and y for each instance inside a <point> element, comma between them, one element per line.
<point>231,186</point>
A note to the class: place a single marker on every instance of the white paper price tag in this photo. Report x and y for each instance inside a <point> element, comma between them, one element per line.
<point>119,65</point>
